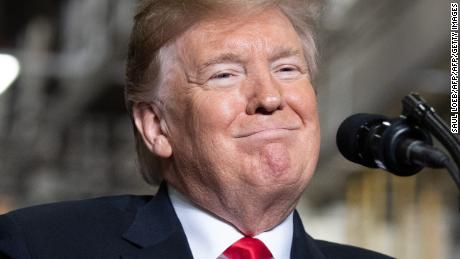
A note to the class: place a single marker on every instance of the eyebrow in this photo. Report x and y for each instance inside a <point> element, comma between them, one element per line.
<point>283,52</point>
<point>222,58</point>
<point>229,57</point>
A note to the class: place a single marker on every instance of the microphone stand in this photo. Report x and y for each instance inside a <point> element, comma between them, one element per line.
<point>416,110</point>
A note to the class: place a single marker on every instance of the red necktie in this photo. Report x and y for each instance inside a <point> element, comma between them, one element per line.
<point>247,248</point>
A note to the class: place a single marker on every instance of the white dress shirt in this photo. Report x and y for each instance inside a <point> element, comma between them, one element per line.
<point>208,236</point>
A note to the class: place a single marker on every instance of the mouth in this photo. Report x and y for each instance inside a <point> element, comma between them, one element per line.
<point>267,132</point>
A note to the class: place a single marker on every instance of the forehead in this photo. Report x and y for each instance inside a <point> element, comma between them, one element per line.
<point>268,30</point>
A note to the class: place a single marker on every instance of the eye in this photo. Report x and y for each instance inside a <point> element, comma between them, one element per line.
<point>287,69</point>
<point>288,72</point>
<point>224,75</point>
<point>224,79</point>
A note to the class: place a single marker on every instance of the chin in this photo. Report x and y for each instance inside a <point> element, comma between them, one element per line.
<point>292,179</point>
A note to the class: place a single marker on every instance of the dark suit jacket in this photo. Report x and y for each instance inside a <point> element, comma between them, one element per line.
<point>125,227</point>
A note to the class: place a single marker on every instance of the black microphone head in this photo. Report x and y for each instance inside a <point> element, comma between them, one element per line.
<point>376,141</point>
<point>350,137</point>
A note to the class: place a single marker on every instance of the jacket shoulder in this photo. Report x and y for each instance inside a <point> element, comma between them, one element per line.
<point>77,212</point>
<point>122,202</point>
<point>335,250</point>
<point>66,224</point>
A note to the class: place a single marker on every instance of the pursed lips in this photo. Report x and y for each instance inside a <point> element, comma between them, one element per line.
<point>266,129</point>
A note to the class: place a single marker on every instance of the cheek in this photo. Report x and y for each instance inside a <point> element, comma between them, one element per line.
<point>302,99</point>
<point>215,111</point>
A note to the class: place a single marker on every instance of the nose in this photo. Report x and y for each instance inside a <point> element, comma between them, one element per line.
<point>266,96</point>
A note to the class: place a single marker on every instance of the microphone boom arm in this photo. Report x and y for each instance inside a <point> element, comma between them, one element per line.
<point>419,112</point>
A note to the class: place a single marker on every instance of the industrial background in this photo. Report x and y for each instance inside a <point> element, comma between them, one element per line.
<point>65,134</point>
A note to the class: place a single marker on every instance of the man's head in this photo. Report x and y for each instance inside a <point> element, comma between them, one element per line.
<point>226,104</point>
<point>159,22</point>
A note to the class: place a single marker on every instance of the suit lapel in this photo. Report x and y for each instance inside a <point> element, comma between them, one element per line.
<point>157,231</point>
<point>303,246</point>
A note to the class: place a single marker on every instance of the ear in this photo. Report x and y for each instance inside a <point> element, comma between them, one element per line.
<point>148,122</point>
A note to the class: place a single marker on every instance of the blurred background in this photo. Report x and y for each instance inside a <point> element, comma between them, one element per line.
<point>65,134</point>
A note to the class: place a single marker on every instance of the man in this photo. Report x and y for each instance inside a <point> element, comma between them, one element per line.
<point>221,98</point>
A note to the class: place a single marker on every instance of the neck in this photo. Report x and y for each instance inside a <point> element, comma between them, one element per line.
<point>252,210</point>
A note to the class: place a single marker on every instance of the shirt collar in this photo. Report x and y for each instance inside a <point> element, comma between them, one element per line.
<point>208,236</point>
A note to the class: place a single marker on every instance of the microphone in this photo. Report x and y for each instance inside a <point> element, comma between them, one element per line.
<point>395,145</point>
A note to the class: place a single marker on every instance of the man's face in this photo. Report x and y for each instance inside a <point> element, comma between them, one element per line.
<point>240,108</point>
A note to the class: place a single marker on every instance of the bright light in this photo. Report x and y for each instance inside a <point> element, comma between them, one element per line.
<point>9,71</point>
